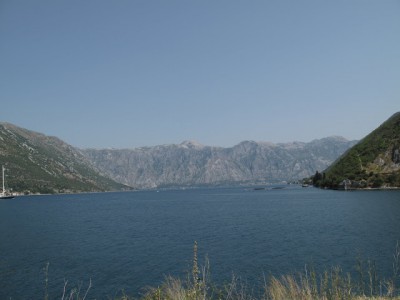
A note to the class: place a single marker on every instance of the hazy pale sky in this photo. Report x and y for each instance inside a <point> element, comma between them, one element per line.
<point>132,73</point>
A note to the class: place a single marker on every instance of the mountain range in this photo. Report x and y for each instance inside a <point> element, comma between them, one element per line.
<point>37,163</point>
<point>193,164</point>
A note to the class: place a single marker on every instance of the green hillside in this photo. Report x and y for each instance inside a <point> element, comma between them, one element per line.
<point>36,163</point>
<point>372,163</point>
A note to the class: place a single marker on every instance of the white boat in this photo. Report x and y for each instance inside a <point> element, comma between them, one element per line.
<point>4,194</point>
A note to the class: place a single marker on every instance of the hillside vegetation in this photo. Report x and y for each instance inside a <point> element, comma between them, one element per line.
<point>36,163</point>
<point>372,163</point>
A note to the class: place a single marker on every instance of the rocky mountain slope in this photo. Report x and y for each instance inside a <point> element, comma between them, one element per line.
<point>190,163</point>
<point>37,163</point>
<point>373,162</point>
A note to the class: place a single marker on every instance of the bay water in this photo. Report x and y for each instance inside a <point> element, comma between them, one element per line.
<point>130,240</point>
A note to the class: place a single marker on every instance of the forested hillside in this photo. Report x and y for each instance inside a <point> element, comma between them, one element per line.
<point>374,162</point>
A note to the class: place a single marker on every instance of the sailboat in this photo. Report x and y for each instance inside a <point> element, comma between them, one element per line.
<point>3,194</point>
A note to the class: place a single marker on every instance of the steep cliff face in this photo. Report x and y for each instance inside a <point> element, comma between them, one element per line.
<point>37,163</point>
<point>190,163</point>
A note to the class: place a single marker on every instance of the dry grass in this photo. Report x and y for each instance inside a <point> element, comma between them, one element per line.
<point>330,285</point>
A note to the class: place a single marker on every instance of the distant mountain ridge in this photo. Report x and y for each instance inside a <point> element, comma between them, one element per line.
<point>374,162</point>
<point>191,163</point>
<point>37,163</point>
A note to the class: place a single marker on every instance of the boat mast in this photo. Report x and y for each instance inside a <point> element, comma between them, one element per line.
<point>3,181</point>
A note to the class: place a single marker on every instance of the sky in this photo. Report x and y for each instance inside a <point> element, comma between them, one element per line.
<point>131,73</point>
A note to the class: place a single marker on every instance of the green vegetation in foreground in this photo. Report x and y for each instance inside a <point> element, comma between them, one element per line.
<point>332,284</point>
<point>373,163</point>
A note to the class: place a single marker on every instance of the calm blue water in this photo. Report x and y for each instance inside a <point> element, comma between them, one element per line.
<point>127,241</point>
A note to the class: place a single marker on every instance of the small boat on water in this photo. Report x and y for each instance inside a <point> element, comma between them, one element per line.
<point>305,185</point>
<point>4,194</point>
<point>278,187</point>
<point>259,188</point>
